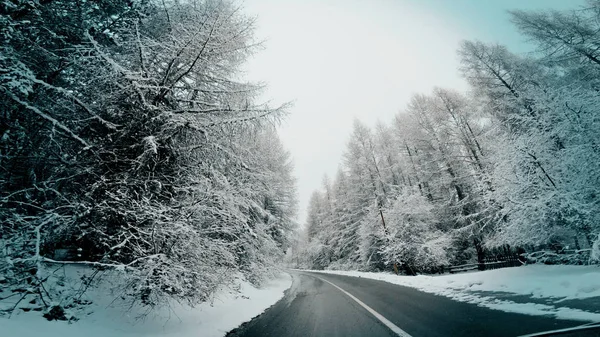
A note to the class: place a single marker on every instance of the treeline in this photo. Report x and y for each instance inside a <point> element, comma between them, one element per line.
<point>512,165</point>
<point>129,142</point>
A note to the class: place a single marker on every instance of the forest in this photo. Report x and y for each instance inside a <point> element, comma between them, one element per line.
<point>129,142</point>
<point>511,166</point>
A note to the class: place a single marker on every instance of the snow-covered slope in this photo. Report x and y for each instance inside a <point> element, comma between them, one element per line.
<point>532,289</point>
<point>108,315</point>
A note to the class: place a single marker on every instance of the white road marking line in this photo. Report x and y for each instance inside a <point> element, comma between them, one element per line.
<point>588,326</point>
<point>377,315</point>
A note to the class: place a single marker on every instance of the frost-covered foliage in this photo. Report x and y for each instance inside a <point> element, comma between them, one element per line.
<point>414,238</point>
<point>511,166</point>
<point>129,142</point>
<point>595,252</point>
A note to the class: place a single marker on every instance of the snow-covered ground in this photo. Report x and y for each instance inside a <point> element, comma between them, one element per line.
<point>545,287</point>
<point>107,317</point>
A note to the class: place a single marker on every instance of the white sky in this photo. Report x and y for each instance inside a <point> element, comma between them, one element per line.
<point>343,59</point>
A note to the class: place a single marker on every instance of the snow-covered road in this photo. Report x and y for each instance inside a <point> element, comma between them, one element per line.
<point>320,304</point>
<point>564,292</point>
<point>501,302</point>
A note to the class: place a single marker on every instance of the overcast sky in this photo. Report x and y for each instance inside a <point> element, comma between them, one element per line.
<point>343,59</point>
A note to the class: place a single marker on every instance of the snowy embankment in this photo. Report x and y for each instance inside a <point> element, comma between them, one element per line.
<point>108,315</point>
<point>532,289</point>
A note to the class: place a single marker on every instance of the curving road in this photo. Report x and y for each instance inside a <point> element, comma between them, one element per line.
<point>333,305</point>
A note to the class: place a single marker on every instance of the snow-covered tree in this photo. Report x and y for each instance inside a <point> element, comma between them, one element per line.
<point>513,163</point>
<point>129,141</point>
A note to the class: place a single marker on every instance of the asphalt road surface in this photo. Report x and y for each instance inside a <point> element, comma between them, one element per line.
<point>332,305</point>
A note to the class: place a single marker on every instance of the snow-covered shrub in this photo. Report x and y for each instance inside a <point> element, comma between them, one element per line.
<point>414,239</point>
<point>573,257</point>
<point>595,252</point>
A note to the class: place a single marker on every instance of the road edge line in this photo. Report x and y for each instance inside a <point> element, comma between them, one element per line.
<point>377,315</point>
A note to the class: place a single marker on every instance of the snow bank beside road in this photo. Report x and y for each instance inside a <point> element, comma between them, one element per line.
<point>539,281</point>
<point>552,283</point>
<point>227,311</point>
